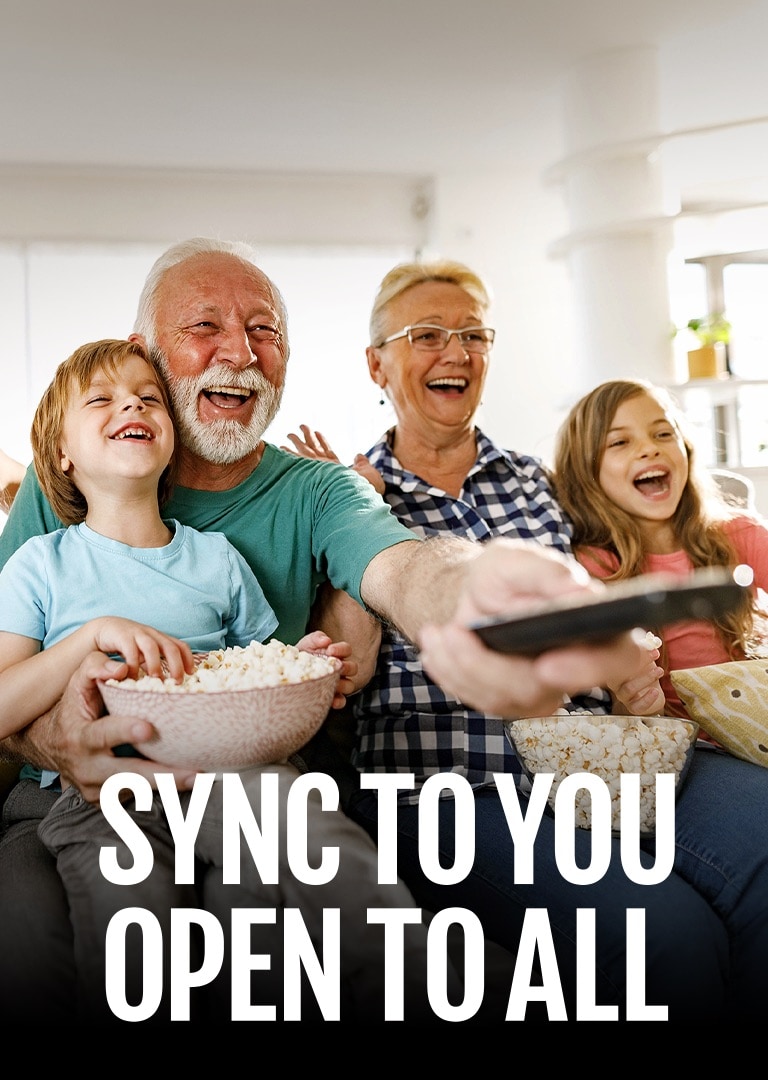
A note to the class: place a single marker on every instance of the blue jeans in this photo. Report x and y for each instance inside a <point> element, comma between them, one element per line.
<point>706,924</point>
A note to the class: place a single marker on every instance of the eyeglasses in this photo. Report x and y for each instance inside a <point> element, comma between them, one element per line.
<point>477,339</point>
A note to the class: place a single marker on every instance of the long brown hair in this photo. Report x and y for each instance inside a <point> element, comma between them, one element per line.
<point>698,521</point>
<point>66,499</point>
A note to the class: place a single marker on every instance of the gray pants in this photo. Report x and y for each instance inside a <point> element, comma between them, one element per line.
<point>75,831</point>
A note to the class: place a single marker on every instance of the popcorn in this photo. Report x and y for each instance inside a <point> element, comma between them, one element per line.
<point>566,743</point>
<point>240,668</point>
<point>650,641</point>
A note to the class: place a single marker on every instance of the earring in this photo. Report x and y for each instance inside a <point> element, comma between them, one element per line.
<point>381,400</point>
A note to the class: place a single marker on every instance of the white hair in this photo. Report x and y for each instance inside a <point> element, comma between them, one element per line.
<point>145,322</point>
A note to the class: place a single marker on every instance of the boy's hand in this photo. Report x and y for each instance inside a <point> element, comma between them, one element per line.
<point>319,642</point>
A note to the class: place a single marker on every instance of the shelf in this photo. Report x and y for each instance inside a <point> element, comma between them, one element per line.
<point>729,415</point>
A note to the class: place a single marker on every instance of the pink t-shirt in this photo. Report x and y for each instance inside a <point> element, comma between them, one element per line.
<point>695,644</point>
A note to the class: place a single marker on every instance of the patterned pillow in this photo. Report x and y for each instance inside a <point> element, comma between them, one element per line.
<point>730,702</point>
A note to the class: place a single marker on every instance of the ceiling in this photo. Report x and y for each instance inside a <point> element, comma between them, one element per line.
<point>295,85</point>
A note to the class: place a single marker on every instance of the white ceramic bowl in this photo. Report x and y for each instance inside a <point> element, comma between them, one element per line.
<point>216,730</point>
<point>606,746</point>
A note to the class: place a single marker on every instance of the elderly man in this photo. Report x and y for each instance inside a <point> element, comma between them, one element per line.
<point>219,326</point>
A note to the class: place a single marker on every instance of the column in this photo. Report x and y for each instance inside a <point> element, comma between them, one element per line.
<point>620,234</point>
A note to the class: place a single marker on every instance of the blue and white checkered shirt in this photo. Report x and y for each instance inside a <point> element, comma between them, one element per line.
<point>405,723</point>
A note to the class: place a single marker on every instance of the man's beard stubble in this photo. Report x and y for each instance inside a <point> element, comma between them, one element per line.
<point>221,442</point>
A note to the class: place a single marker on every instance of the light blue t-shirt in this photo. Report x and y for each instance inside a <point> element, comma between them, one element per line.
<point>197,588</point>
<point>296,522</point>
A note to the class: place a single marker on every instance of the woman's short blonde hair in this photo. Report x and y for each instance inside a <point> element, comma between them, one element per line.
<point>76,373</point>
<point>407,274</point>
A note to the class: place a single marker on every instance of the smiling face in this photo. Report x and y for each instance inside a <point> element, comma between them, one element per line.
<point>432,391</point>
<point>644,468</point>
<point>221,343</point>
<point>117,435</point>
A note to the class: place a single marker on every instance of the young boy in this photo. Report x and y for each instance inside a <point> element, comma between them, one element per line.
<point>103,444</point>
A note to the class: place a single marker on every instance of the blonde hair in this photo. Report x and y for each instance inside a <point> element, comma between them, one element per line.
<point>76,372</point>
<point>405,275</point>
<point>599,523</point>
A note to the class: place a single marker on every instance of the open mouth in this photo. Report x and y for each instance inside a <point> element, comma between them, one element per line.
<point>653,482</point>
<point>448,385</point>
<point>140,433</point>
<point>227,397</point>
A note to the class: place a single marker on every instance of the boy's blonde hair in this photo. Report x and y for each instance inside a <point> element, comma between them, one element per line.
<point>76,373</point>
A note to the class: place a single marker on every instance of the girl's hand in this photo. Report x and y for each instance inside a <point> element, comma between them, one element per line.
<point>642,694</point>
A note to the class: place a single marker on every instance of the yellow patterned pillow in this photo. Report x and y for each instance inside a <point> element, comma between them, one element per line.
<point>730,702</point>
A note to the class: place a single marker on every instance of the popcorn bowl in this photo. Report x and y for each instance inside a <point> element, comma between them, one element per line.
<point>605,746</point>
<point>198,726</point>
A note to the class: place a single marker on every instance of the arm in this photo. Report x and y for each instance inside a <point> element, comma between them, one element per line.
<point>11,475</point>
<point>431,590</point>
<point>32,681</point>
<point>30,515</point>
<point>343,620</point>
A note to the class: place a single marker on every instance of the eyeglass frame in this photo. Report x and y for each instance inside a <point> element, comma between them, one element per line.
<point>407,330</point>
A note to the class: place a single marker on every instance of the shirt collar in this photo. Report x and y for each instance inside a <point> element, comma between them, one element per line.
<point>383,458</point>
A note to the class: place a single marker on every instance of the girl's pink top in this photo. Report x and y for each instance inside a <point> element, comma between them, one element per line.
<point>694,644</point>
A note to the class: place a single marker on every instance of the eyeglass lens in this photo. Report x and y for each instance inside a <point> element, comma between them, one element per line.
<point>474,338</point>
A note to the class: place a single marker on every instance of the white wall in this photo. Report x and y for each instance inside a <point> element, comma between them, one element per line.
<point>502,225</point>
<point>506,225</point>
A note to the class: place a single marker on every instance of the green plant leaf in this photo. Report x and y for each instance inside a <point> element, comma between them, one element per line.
<point>711,329</point>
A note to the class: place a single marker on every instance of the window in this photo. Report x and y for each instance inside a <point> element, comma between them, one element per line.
<point>730,416</point>
<point>58,296</point>
<point>745,293</point>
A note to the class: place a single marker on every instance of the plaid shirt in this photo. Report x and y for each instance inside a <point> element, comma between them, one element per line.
<point>405,723</point>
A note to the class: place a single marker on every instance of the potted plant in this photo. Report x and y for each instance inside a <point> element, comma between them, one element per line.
<point>709,360</point>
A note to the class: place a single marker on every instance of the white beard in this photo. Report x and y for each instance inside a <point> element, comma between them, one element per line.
<point>222,441</point>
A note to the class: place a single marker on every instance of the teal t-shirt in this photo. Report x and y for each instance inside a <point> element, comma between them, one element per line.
<point>296,522</point>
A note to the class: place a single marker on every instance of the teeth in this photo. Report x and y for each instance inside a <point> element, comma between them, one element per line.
<point>650,475</point>
<point>448,382</point>
<point>141,432</point>
<point>238,391</point>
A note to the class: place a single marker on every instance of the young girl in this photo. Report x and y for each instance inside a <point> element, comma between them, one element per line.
<point>626,474</point>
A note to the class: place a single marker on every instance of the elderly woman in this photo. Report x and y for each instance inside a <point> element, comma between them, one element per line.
<point>430,351</point>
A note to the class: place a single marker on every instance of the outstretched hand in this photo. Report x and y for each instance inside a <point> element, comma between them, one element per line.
<point>507,576</point>
<point>314,445</point>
